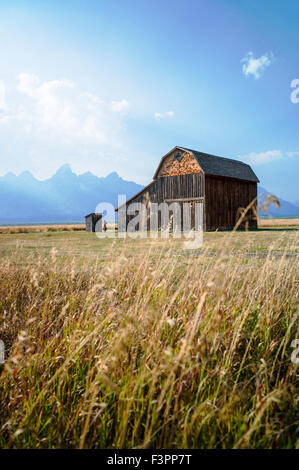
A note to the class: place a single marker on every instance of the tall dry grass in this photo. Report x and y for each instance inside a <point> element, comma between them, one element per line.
<point>271,222</point>
<point>162,348</point>
<point>41,228</point>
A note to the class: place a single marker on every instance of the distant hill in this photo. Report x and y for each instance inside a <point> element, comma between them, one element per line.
<point>286,209</point>
<point>65,197</point>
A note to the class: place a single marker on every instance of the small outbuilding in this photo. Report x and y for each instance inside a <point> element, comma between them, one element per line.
<point>92,222</point>
<point>224,186</point>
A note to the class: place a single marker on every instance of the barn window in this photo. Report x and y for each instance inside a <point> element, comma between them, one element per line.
<point>178,156</point>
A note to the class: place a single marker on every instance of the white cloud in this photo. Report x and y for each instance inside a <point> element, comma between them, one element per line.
<point>122,105</point>
<point>59,107</point>
<point>262,157</point>
<point>266,157</point>
<point>256,66</point>
<point>168,114</point>
<point>2,95</point>
<point>50,107</point>
<point>46,123</point>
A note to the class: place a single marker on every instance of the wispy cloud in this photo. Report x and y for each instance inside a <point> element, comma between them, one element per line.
<point>262,157</point>
<point>120,106</point>
<point>55,120</point>
<point>168,114</point>
<point>266,157</point>
<point>256,66</point>
<point>60,106</point>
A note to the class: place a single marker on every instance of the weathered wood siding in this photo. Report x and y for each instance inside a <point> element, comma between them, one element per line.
<point>172,167</point>
<point>174,187</point>
<point>91,221</point>
<point>223,199</point>
<point>170,189</point>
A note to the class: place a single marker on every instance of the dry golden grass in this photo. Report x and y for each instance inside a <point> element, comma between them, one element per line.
<point>278,222</point>
<point>271,222</point>
<point>40,228</point>
<point>140,343</point>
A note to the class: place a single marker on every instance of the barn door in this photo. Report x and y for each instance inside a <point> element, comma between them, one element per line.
<point>191,208</point>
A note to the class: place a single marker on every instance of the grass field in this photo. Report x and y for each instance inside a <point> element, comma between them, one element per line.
<point>8,229</point>
<point>143,344</point>
<point>271,222</point>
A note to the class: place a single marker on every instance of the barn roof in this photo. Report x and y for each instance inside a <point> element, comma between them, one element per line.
<point>218,166</point>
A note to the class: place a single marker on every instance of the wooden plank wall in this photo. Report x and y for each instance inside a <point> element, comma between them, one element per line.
<point>91,221</point>
<point>172,187</point>
<point>180,186</point>
<point>223,198</point>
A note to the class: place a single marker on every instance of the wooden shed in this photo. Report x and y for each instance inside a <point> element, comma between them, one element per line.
<point>223,185</point>
<point>91,221</point>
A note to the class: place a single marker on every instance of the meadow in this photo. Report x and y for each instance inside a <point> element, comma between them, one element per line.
<point>143,344</point>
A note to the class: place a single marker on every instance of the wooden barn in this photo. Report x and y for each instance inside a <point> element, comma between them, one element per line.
<point>225,186</point>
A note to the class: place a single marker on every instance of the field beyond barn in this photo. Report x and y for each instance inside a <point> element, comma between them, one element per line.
<point>143,344</point>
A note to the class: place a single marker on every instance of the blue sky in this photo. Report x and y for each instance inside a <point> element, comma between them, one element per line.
<point>114,85</point>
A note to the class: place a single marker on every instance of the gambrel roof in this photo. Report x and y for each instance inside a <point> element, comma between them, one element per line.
<point>218,166</point>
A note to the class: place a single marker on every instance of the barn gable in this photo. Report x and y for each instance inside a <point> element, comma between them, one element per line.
<point>196,162</point>
<point>178,162</point>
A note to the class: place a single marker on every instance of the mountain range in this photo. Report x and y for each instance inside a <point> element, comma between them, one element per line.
<point>67,197</point>
<point>286,209</point>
